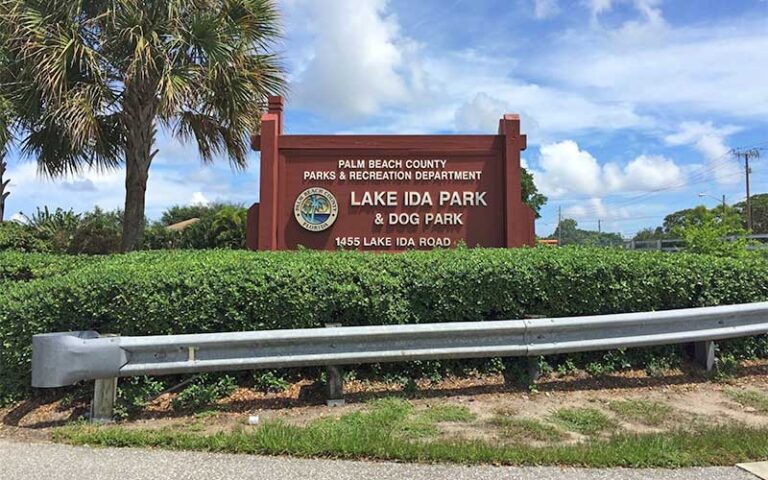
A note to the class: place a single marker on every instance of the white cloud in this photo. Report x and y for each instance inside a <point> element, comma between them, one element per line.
<point>546,113</point>
<point>648,8</point>
<point>362,66</point>
<point>18,217</point>
<point>595,208</point>
<point>166,187</point>
<point>597,7</point>
<point>649,172</point>
<point>355,66</point>
<point>199,199</point>
<point>545,8</point>
<point>481,114</point>
<point>565,169</point>
<point>702,69</point>
<point>710,142</point>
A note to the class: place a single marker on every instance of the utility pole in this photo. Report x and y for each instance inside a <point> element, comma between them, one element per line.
<point>3,186</point>
<point>747,154</point>
<point>599,226</point>
<point>559,220</point>
<point>724,207</point>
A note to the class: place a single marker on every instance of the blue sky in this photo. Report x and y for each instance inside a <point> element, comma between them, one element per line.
<point>630,106</point>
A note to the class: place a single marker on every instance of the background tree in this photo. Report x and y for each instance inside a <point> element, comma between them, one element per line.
<point>92,79</point>
<point>759,213</point>
<point>181,213</point>
<point>531,195</point>
<point>651,234</point>
<point>686,217</point>
<point>714,235</point>
<point>569,234</point>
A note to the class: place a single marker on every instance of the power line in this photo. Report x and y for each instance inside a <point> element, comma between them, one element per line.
<point>635,199</point>
<point>697,179</point>
<point>694,178</point>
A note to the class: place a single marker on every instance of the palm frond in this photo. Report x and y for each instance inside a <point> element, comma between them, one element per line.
<point>73,68</point>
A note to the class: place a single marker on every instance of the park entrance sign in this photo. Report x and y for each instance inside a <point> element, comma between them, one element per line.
<point>388,192</point>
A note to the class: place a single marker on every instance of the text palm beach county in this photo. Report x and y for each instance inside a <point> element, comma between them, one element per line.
<point>426,169</point>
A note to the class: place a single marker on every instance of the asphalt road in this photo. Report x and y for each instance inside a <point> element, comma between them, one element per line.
<point>25,461</point>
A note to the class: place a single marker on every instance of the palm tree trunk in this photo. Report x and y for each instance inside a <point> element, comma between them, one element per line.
<point>139,117</point>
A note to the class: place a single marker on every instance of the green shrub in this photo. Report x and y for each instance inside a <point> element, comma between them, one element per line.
<point>99,232</point>
<point>169,292</point>
<point>203,392</point>
<point>56,227</point>
<point>21,238</point>
<point>219,225</point>
<point>660,365</point>
<point>15,266</point>
<point>134,392</point>
<point>159,237</point>
<point>726,366</point>
<point>270,381</point>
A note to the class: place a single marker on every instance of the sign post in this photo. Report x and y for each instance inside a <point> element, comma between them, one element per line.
<point>388,192</point>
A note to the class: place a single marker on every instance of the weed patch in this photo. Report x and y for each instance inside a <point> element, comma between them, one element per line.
<point>520,429</point>
<point>642,411</point>
<point>750,398</point>
<point>587,421</point>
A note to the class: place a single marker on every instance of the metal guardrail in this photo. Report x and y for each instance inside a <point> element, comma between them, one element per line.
<point>60,359</point>
<point>678,244</point>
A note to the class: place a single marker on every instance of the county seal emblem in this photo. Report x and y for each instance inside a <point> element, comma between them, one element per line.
<point>316,209</point>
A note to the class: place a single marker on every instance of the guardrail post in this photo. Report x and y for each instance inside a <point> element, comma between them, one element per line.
<point>335,380</point>
<point>704,354</point>
<point>534,369</point>
<point>104,395</point>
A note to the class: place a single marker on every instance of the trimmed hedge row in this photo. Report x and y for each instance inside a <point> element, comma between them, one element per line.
<point>17,266</point>
<point>208,291</point>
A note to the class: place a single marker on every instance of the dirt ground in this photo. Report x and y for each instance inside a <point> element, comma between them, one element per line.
<point>692,396</point>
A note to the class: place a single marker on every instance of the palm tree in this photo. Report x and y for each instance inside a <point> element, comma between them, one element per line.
<point>315,203</point>
<point>5,135</point>
<point>90,81</point>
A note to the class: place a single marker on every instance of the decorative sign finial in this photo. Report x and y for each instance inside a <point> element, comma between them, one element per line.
<point>3,186</point>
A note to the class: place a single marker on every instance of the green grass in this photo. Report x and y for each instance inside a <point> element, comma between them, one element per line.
<point>750,398</point>
<point>390,429</point>
<point>395,416</point>
<point>642,411</point>
<point>518,429</point>
<point>446,412</point>
<point>354,438</point>
<point>587,421</point>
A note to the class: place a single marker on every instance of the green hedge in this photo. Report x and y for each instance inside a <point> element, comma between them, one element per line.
<point>209,291</point>
<point>20,238</point>
<point>16,266</point>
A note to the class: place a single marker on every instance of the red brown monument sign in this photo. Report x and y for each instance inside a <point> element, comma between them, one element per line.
<point>388,192</point>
